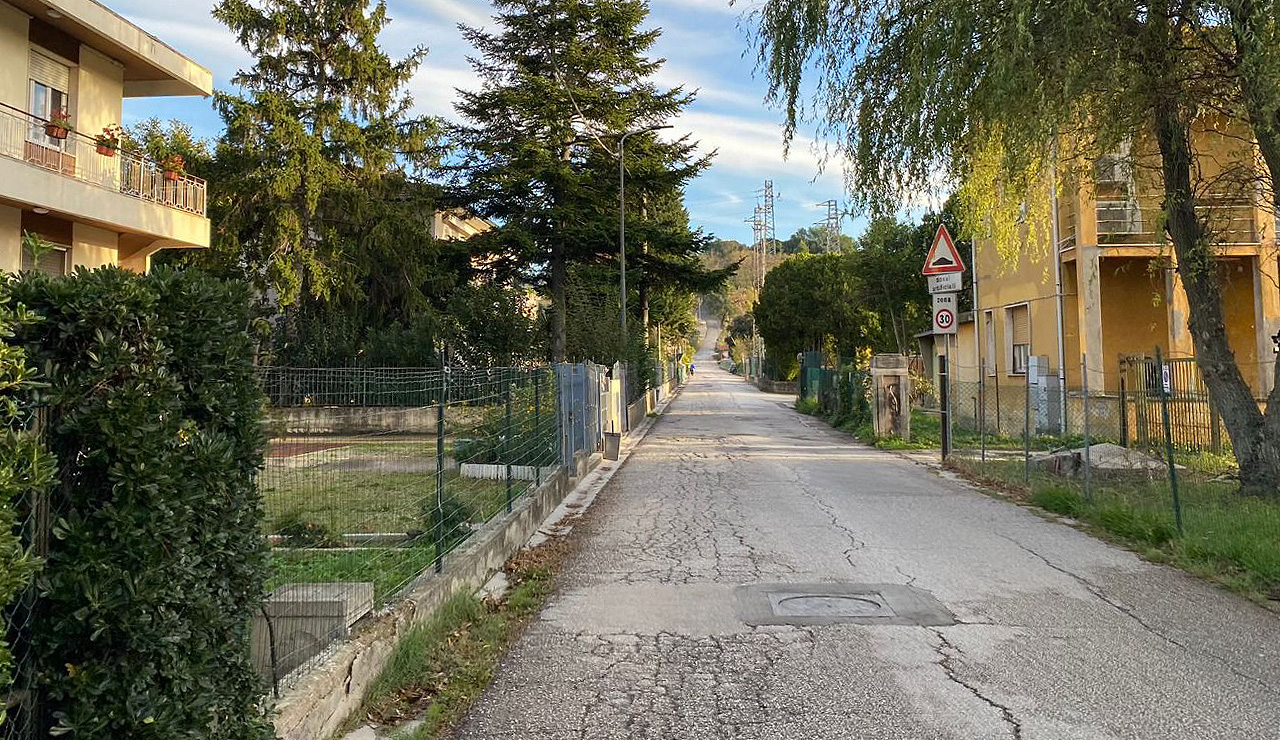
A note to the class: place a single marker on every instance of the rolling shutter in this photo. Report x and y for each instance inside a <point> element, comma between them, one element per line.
<point>1020,321</point>
<point>48,72</point>
<point>51,262</point>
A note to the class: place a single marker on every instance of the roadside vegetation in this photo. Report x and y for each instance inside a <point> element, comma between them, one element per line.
<point>443,666</point>
<point>1226,537</point>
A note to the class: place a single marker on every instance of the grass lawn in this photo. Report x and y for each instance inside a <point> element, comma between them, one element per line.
<point>388,568</point>
<point>1226,536</point>
<point>361,501</point>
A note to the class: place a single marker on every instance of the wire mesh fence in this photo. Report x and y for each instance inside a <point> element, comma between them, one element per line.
<point>374,476</point>
<point>1142,455</point>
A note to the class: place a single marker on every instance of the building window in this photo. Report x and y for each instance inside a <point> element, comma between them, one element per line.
<point>989,332</point>
<point>50,81</point>
<point>51,261</point>
<point>1018,321</point>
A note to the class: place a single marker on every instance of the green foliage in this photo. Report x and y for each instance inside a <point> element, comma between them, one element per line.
<point>26,471</point>
<point>156,559</point>
<point>870,298</point>
<point>295,530</point>
<point>562,80</point>
<point>320,192</point>
<point>807,406</point>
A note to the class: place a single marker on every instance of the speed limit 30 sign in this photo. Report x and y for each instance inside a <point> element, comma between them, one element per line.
<point>945,313</point>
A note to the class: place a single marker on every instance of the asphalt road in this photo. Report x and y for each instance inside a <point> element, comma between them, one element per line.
<point>1057,635</point>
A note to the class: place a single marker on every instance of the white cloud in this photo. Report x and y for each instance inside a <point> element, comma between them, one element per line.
<point>457,11</point>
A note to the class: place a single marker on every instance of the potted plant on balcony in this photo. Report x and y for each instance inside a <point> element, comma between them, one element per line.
<point>108,141</point>
<point>174,167</point>
<point>58,125</point>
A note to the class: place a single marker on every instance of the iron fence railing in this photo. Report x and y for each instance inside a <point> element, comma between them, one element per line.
<point>23,137</point>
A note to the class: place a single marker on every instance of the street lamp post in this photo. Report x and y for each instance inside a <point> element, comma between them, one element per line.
<point>622,221</point>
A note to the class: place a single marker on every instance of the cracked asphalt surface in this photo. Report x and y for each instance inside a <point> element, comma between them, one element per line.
<point>1059,635</point>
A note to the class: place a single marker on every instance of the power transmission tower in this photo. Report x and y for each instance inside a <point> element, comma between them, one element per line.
<point>831,226</point>
<point>758,231</point>
<point>770,224</point>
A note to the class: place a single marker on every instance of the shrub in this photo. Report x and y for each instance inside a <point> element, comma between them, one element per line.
<point>26,470</point>
<point>156,558</point>
<point>808,406</point>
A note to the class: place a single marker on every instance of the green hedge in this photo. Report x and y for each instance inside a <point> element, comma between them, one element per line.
<point>26,469</point>
<point>156,562</point>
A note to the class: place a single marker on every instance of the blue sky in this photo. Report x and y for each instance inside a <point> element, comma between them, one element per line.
<point>703,41</point>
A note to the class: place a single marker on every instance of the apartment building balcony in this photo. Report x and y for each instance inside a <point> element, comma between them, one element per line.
<point>124,192</point>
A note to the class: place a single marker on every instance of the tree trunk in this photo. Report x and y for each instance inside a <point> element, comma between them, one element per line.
<point>1259,79</point>
<point>559,304</point>
<point>1198,268</point>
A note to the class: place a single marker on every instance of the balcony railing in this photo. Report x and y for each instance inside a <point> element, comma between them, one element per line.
<point>1231,220</point>
<point>22,137</point>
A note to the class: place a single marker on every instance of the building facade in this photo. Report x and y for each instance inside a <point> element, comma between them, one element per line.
<point>68,65</point>
<point>1100,286</point>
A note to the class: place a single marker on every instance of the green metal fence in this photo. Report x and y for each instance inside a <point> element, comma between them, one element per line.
<point>373,477</point>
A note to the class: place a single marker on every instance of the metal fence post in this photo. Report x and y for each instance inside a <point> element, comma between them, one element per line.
<point>1168,441</point>
<point>506,443</point>
<point>537,428</point>
<point>944,399</point>
<point>1088,462</point>
<point>1026,427</point>
<point>439,523</point>
<point>1124,408</point>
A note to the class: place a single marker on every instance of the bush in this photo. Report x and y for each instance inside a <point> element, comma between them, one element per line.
<point>26,470</point>
<point>156,559</point>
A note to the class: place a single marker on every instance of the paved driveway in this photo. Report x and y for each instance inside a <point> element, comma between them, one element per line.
<point>1056,635</point>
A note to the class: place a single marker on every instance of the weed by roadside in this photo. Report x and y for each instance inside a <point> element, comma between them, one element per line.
<point>442,667</point>
<point>1226,536</point>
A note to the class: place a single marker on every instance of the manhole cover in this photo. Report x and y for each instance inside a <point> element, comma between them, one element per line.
<point>827,605</point>
<point>840,603</point>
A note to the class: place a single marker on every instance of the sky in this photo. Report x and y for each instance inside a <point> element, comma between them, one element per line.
<point>706,49</point>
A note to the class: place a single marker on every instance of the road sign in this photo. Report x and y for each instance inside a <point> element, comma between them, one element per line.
<point>1165,379</point>
<point>943,256</point>
<point>948,282</point>
<point>945,310</point>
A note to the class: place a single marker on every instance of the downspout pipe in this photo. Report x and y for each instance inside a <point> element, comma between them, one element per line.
<point>1057,286</point>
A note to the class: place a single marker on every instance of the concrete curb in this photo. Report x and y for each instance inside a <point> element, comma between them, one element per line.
<point>323,699</point>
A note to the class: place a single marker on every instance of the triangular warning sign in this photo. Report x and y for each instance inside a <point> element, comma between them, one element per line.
<point>943,255</point>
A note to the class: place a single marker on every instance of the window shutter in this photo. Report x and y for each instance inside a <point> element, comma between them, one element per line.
<point>1019,317</point>
<point>51,262</point>
<point>46,71</point>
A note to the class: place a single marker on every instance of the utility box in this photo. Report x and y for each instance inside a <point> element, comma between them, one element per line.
<point>891,396</point>
<point>1045,395</point>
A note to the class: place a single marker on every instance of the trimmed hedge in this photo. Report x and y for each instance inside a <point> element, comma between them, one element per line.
<point>26,470</point>
<point>156,560</point>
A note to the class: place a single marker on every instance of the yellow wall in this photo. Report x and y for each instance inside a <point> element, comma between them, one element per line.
<point>92,247</point>
<point>13,50</point>
<point>10,239</point>
<point>100,91</point>
<point>1135,315</point>
<point>1238,305</point>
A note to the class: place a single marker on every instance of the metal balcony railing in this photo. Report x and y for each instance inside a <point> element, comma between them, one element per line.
<point>23,137</point>
<point>1136,221</point>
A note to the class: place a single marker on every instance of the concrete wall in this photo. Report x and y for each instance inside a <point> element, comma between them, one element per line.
<point>13,50</point>
<point>92,247</point>
<point>10,239</point>
<point>370,419</point>
<point>99,92</point>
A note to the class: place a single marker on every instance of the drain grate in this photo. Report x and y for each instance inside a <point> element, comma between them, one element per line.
<point>840,603</point>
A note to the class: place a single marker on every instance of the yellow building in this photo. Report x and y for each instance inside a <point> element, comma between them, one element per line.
<point>1101,285</point>
<point>78,59</point>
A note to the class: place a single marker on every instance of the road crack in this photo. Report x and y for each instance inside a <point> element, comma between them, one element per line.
<point>946,653</point>
<point>1146,626</point>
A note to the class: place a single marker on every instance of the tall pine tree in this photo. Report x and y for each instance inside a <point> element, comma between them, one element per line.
<point>321,154</point>
<point>562,80</point>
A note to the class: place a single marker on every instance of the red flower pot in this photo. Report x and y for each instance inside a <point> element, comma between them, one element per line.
<point>172,175</point>
<point>106,150</point>
<point>54,131</point>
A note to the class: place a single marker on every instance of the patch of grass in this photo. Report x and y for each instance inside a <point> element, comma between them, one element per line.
<point>389,568</point>
<point>807,406</point>
<point>1226,536</point>
<point>440,668</point>
<point>361,501</point>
